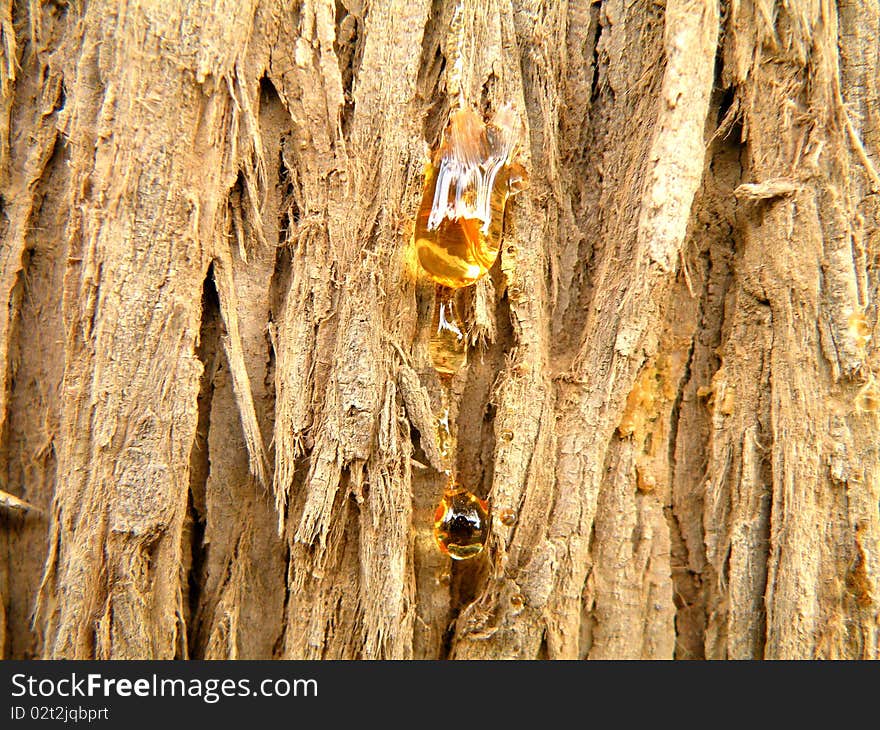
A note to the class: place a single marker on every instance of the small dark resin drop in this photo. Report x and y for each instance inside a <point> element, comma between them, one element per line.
<point>460,523</point>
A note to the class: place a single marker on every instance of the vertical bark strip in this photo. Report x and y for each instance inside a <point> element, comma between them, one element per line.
<point>217,407</point>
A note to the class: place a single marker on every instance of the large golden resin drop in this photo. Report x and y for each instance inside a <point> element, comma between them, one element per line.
<point>467,184</point>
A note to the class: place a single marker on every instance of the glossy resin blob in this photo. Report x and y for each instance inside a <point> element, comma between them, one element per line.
<point>467,183</point>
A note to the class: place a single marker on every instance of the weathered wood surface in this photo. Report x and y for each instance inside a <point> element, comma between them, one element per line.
<point>215,384</point>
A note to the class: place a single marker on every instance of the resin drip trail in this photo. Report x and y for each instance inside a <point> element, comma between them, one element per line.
<point>456,240</point>
<point>461,518</point>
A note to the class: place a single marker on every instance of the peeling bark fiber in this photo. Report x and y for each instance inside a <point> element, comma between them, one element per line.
<point>217,401</point>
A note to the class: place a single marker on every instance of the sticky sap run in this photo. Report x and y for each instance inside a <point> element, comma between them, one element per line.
<point>467,183</point>
<point>448,351</point>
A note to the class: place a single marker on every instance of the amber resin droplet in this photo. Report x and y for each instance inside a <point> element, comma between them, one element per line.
<point>460,523</point>
<point>458,227</point>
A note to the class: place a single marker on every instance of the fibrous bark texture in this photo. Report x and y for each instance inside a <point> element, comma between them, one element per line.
<point>217,399</point>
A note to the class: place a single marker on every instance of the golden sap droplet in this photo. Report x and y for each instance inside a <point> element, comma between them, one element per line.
<point>507,517</point>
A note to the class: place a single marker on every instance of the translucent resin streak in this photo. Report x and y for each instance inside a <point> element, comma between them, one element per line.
<point>467,184</point>
<point>448,351</point>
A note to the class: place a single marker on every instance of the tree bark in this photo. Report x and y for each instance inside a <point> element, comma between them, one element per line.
<point>216,390</point>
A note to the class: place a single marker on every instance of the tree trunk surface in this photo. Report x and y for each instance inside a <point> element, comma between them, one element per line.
<point>216,390</point>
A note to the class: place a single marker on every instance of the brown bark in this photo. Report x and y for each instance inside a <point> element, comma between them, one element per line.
<point>217,398</point>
